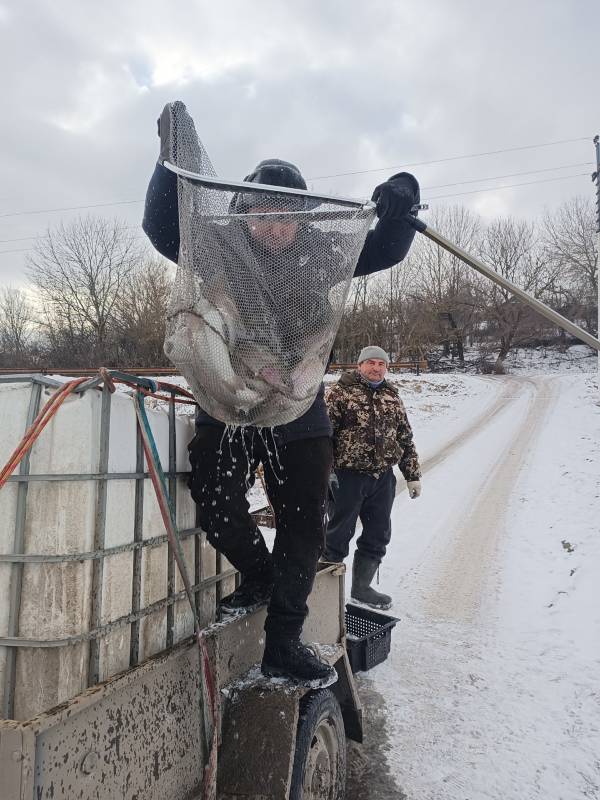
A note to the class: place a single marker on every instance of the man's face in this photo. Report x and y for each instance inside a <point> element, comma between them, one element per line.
<point>274,234</point>
<point>373,369</point>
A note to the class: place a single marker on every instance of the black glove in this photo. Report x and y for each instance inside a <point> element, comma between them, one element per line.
<point>396,197</point>
<point>175,125</point>
<point>165,133</point>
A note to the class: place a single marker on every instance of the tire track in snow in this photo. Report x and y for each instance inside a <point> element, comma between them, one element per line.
<point>418,565</point>
<point>463,437</point>
<point>488,705</point>
<point>468,559</point>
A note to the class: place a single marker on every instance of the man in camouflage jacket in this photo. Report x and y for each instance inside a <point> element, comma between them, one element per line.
<point>371,433</point>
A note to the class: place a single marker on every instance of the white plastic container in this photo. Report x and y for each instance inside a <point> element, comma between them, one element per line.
<point>62,517</point>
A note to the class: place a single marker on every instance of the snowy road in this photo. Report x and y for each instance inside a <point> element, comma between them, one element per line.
<point>492,689</point>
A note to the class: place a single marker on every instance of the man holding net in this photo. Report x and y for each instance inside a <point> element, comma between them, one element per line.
<point>284,309</point>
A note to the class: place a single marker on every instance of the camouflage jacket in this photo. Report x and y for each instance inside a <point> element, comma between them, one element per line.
<point>371,431</point>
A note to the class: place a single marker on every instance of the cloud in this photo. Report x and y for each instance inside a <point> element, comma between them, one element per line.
<point>335,87</point>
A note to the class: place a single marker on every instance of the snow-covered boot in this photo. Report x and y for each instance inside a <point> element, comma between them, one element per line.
<point>363,572</point>
<point>254,591</point>
<point>289,658</point>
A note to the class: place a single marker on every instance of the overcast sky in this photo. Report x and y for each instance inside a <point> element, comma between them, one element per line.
<point>335,86</point>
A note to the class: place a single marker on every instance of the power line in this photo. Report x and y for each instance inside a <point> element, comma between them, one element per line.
<point>321,177</point>
<point>435,197</point>
<point>21,239</point>
<point>69,208</point>
<point>424,188</point>
<point>509,175</point>
<point>23,250</point>
<point>41,236</point>
<point>29,249</point>
<point>452,158</point>
<point>508,186</point>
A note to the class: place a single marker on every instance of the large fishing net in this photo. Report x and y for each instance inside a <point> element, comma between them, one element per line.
<point>260,288</point>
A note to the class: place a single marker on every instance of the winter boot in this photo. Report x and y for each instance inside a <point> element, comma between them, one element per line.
<point>363,571</point>
<point>289,658</point>
<point>254,591</point>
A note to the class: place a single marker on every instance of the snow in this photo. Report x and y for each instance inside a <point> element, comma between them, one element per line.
<point>491,686</point>
<point>542,360</point>
<point>526,360</point>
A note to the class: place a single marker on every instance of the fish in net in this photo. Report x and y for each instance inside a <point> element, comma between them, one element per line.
<point>261,284</point>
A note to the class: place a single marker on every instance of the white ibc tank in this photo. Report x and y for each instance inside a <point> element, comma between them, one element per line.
<point>55,600</point>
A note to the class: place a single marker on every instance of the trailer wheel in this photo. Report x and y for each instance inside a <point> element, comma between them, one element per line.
<point>319,771</point>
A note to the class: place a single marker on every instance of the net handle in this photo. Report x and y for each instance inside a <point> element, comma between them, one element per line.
<point>262,188</point>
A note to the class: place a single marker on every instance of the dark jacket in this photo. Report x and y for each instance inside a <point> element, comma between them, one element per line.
<point>385,245</point>
<point>371,431</point>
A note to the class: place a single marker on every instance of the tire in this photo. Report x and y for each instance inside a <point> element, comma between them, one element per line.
<point>319,771</point>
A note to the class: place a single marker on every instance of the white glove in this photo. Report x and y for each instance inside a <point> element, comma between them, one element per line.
<point>414,489</point>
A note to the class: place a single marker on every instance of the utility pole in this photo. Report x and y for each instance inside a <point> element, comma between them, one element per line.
<point>596,179</point>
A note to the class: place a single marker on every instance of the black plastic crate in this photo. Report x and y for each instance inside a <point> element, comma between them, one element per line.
<point>368,637</point>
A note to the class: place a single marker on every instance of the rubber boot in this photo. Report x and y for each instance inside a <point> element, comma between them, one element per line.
<point>289,658</point>
<point>363,572</point>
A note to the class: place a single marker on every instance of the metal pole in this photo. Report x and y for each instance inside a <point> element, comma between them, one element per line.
<point>596,179</point>
<point>533,302</point>
<point>99,537</point>
<point>138,536</point>
<point>173,495</point>
<point>16,570</point>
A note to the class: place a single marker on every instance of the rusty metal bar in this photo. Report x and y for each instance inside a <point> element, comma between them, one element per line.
<point>155,372</point>
<point>12,375</point>
<point>16,578</point>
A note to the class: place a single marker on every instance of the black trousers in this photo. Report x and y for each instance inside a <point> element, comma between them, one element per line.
<point>371,499</point>
<point>296,477</point>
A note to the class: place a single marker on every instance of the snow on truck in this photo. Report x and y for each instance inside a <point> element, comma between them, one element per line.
<point>115,684</point>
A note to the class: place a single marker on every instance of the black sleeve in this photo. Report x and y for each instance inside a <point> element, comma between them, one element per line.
<point>387,244</point>
<point>161,213</point>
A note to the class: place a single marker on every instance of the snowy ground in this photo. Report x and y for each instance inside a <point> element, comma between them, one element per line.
<point>528,360</point>
<point>492,688</point>
<point>542,360</point>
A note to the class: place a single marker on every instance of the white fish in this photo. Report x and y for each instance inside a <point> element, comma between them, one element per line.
<point>199,346</point>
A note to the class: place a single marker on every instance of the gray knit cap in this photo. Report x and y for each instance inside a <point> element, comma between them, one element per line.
<point>372,351</point>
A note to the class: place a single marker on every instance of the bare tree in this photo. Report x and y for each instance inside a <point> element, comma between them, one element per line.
<point>79,271</point>
<point>568,236</point>
<point>355,325</point>
<point>139,315</point>
<point>443,282</point>
<point>16,325</point>
<point>510,246</point>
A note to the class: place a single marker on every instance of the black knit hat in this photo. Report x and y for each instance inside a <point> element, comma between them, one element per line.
<point>272,172</point>
<point>275,172</point>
